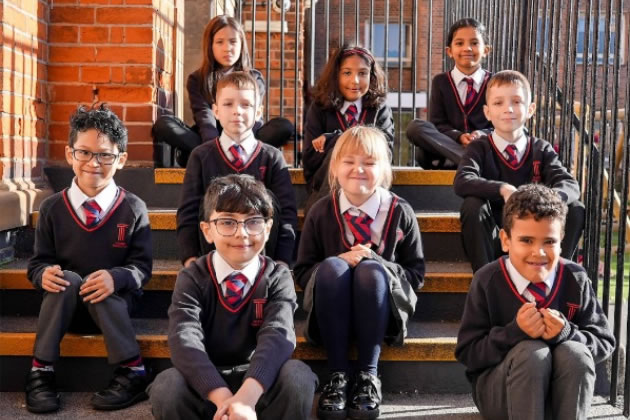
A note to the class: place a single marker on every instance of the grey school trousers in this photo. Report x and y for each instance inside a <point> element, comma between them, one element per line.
<point>537,382</point>
<point>65,311</point>
<point>289,398</point>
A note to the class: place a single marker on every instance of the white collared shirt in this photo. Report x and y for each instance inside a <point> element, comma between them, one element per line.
<point>521,282</point>
<point>520,143</point>
<point>358,103</point>
<point>376,207</point>
<point>105,199</point>
<point>222,269</point>
<point>462,86</point>
<point>248,146</point>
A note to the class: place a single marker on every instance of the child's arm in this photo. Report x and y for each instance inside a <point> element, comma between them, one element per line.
<point>201,108</point>
<point>314,127</point>
<point>438,112</point>
<point>241,405</point>
<point>555,176</point>
<point>310,250</point>
<point>385,122</point>
<point>469,180</point>
<point>282,188</point>
<point>188,211</point>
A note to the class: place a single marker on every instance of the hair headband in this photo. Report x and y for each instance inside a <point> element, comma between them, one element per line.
<point>357,51</point>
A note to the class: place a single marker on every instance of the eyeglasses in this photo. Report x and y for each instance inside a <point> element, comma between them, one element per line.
<point>102,158</point>
<point>228,227</point>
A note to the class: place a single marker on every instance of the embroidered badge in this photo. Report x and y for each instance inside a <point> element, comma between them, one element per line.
<point>122,236</point>
<point>259,305</point>
<point>536,177</point>
<point>573,308</point>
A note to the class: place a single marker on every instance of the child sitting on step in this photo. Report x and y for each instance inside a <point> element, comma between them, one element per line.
<point>92,257</point>
<point>532,329</point>
<point>231,331</point>
<point>236,151</point>
<point>360,262</point>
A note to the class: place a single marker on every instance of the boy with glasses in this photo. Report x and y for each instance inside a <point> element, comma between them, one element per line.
<point>92,257</point>
<point>231,331</point>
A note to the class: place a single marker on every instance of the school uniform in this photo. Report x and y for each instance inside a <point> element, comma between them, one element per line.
<point>332,123</point>
<point>512,373</point>
<point>482,171</point>
<point>119,243</point>
<point>449,117</point>
<point>262,161</point>
<point>215,342</point>
<point>172,130</point>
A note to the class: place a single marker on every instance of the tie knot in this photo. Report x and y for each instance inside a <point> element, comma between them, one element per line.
<point>234,285</point>
<point>359,226</point>
<point>469,81</point>
<point>92,205</point>
<point>351,114</point>
<point>538,291</point>
<point>92,212</point>
<point>510,150</point>
<point>237,157</point>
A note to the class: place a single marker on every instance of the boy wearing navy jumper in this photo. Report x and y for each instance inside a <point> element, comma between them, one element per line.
<point>456,114</point>
<point>495,165</point>
<point>231,331</point>
<point>236,151</point>
<point>92,257</point>
<point>532,329</point>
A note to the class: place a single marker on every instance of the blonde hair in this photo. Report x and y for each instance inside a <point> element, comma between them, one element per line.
<point>365,140</point>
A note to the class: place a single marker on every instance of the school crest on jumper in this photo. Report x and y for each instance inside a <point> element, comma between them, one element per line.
<point>259,313</point>
<point>121,236</point>
<point>573,308</point>
<point>536,178</point>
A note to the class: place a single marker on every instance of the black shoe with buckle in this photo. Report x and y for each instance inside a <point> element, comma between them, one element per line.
<point>365,398</point>
<point>125,389</point>
<point>332,401</point>
<point>41,394</point>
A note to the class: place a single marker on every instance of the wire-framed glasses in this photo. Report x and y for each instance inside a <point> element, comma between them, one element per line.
<point>227,226</point>
<point>102,158</point>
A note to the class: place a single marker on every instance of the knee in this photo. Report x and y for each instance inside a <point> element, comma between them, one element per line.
<point>297,382</point>
<point>74,279</point>
<point>332,272</point>
<point>370,275</point>
<point>533,357</point>
<point>164,392</point>
<point>573,357</point>
<point>414,131</point>
<point>576,214</point>
<point>472,208</point>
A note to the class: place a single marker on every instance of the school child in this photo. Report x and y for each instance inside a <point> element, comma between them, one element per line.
<point>231,332</point>
<point>457,97</point>
<point>495,165</point>
<point>236,151</point>
<point>224,50</point>
<point>532,329</point>
<point>360,263</point>
<point>351,91</point>
<point>92,257</point>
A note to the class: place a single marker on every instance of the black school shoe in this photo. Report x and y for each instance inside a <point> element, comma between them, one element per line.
<point>41,393</point>
<point>332,401</point>
<point>365,397</point>
<point>124,390</point>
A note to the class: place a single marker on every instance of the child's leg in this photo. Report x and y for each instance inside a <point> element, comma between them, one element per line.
<point>291,396</point>
<point>573,381</point>
<point>333,284</point>
<point>371,309</point>
<point>480,232</point>
<point>171,130</point>
<point>573,229</point>
<point>424,135</point>
<point>517,387</point>
<point>55,316</point>
<point>276,132</point>
<point>172,399</point>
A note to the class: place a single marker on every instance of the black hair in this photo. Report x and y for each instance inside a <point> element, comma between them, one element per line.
<point>535,200</point>
<point>237,194</point>
<point>467,23</point>
<point>101,119</point>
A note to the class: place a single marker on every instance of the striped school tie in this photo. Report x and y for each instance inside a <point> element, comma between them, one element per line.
<point>92,212</point>
<point>471,93</point>
<point>360,227</point>
<point>512,159</point>
<point>237,158</point>
<point>538,291</point>
<point>351,115</point>
<point>234,288</point>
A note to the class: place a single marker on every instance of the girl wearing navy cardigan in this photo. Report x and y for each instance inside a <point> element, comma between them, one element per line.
<point>360,262</point>
<point>351,91</point>
<point>224,50</point>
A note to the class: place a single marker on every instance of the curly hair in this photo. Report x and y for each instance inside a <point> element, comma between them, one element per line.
<point>326,92</point>
<point>237,194</point>
<point>101,119</point>
<point>533,200</point>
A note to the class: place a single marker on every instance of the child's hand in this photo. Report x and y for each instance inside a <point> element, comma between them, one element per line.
<point>465,138</point>
<point>52,279</point>
<point>554,323</point>
<point>98,286</point>
<point>356,254</point>
<point>318,143</point>
<point>530,320</point>
<point>218,396</point>
<point>242,405</point>
<point>506,191</point>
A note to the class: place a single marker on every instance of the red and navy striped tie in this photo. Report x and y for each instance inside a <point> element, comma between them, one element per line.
<point>92,212</point>
<point>351,115</point>
<point>237,158</point>
<point>234,284</point>
<point>471,93</point>
<point>538,291</point>
<point>512,159</point>
<point>360,227</point>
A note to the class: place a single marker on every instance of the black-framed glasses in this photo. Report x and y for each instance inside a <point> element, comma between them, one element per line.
<point>102,158</point>
<point>227,226</point>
